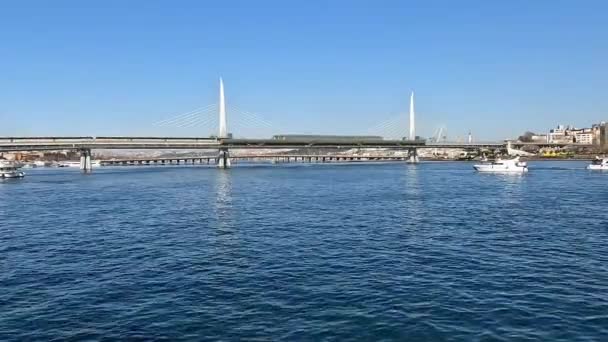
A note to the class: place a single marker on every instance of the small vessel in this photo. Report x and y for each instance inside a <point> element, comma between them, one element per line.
<point>10,170</point>
<point>598,164</point>
<point>94,163</point>
<point>499,165</point>
<point>69,164</point>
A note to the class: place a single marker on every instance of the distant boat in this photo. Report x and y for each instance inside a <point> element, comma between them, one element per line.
<point>499,166</point>
<point>69,164</point>
<point>95,163</point>
<point>10,170</point>
<point>598,164</point>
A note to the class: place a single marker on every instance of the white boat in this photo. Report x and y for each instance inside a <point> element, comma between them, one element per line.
<point>499,165</point>
<point>94,163</point>
<point>598,164</point>
<point>10,170</point>
<point>69,164</point>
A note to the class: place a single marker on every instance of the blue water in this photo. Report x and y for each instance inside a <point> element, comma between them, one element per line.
<point>389,251</point>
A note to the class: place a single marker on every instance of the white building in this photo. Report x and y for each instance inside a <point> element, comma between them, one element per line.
<point>559,135</point>
<point>583,138</point>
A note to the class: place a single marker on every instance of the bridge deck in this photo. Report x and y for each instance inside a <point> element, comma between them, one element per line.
<point>157,143</point>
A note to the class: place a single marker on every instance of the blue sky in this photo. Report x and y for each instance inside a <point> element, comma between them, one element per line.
<point>496,68</point>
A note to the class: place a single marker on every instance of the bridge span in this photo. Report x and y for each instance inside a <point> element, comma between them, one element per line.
<point>224,142</point>
<point>85,144</point>
<point>8,144</point>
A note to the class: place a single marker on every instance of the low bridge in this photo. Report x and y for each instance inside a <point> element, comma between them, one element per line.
<point>275,158</point>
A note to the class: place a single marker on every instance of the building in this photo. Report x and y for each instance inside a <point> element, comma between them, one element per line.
<point>596,135</point>
<point>558,135</point>
<point>583,138</point>
<point>603,136</point>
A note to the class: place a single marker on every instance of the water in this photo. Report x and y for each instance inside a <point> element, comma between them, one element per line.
<point>305,252</point>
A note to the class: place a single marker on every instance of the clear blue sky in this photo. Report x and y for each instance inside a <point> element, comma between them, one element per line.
<point>497,68</point>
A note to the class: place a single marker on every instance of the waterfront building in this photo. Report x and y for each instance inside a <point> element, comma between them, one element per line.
<point>572,135</point>
<point>583,138</point>
<point>603,136</point>
<point>558,135</point>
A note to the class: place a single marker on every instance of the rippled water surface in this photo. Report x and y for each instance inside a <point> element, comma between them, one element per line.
<point>306,252</point>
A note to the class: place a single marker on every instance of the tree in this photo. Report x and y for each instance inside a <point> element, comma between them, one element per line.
<point>527,137</point>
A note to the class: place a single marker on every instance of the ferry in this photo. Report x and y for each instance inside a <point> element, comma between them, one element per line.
<point>598,164</point>
<point>499,165</point>
<point>10,170</point>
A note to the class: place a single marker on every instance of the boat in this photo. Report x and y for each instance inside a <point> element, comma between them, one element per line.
<point>598,164</point>
<point>94,163</point>
<point>10,170</point>
<point>69,164</point>
<point>499,165</point>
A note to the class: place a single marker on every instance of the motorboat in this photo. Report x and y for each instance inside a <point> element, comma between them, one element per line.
<point>10,170</point>
<point>598,164</point>
<point>500,165</point>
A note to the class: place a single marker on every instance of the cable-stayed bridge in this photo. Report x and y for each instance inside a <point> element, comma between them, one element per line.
<point>223,141</point>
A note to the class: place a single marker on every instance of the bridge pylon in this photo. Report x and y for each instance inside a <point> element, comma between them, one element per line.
<point>223,158</point>
<point>412,152</point>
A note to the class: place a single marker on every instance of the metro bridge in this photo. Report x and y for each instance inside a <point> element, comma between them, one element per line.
<point>223,142</point>
<point>85,144</point>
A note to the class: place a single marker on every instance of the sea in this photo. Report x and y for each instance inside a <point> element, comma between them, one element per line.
<point>305,252</point>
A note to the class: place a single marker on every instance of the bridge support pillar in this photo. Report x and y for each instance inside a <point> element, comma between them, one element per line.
<point>223,159</point>
<point>509,148</point>
<point>85,160</point>
<point>413,156</point>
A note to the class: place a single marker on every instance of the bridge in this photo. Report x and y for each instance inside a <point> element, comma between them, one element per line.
<point>223,143</point>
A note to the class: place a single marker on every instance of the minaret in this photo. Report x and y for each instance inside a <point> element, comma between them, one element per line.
<point>222,132</point>
<point>470,140</point>
<point>412,122</point>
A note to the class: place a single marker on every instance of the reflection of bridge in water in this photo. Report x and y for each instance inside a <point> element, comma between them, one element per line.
<point>223,143</point>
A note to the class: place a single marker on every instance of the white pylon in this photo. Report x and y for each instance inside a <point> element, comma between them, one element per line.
<point>412,118</point>
<point>223,130</point>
